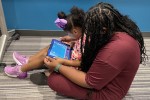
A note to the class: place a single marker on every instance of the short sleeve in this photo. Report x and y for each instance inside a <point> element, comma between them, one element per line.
<point>100,75</point>
<point>109,62</point>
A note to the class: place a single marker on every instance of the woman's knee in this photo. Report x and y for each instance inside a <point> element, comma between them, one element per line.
<point>62,85</point>
<point>54,81</point>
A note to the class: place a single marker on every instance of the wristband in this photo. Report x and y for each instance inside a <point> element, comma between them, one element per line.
<point>56,69</point>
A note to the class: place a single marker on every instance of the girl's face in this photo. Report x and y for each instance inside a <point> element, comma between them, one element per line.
<point>75,33</point>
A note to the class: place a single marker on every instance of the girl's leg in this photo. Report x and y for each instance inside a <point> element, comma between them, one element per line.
<point>65,87</point>
<point>33,63</point>
<point>42,52</point>
<point>36,60</point>
<point>22,59</point>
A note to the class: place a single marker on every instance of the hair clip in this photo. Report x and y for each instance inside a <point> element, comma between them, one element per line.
<point>60,23</point>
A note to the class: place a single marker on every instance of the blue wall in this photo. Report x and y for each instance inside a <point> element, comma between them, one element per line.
<point>40,14</point>
<point>10,13</point>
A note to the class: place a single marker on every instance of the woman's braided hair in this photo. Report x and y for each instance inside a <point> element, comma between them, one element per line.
<point>101,22</point>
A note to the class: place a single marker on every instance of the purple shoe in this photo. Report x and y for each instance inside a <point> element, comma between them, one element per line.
<point>15,72</point>
<point>20,59</point>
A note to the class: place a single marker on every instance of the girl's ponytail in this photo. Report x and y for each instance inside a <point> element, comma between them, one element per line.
<point>61,15</point>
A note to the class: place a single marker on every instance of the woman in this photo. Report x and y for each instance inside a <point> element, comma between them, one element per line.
<point>113,50</point>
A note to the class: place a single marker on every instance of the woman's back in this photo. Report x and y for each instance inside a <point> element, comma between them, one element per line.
<point>120,58</point>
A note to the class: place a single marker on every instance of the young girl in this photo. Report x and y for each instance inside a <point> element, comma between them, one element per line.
<point>72,24</point>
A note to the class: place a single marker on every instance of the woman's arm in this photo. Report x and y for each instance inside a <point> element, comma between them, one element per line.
<point>75,63</point>
<point>74,75</point>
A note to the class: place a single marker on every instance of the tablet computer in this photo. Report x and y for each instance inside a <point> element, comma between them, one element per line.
<point>59,49</point>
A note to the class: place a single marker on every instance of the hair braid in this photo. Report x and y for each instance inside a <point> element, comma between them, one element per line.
<point>98,18</point>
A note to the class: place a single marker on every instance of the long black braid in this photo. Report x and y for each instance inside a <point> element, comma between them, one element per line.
<point>101,22</point>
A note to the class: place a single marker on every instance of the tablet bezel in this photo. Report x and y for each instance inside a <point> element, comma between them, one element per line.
<point>68,50</point>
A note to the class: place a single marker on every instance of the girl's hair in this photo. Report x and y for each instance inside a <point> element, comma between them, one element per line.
<point>101,22</point>
<point>74,19</point>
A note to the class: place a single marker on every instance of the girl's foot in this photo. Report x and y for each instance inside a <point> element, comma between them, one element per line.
<point>20,59</point>
<point>15,72</point>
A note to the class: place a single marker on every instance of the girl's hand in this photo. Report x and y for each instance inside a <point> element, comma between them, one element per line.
<point>66,38</point>
<point>51,63</point>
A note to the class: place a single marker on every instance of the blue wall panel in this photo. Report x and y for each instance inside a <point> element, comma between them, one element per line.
<point>40,14</point>
<point>10,13</point>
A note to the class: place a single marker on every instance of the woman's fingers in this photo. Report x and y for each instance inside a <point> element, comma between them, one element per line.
<point>46,61</point>
<point>49,58</point>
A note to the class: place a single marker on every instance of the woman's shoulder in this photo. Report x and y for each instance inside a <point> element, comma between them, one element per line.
<point>123,39</point>
<point>120,43</point>
<point>122,36</point>
<point>121,48</point>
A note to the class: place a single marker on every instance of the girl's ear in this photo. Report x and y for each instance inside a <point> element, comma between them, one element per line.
<point>75,31</point>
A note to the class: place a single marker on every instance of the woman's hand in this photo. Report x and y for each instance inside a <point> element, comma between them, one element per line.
<point>51,63</point>
<point>60,60</point>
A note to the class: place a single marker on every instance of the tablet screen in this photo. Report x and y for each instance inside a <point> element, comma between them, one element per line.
<point>59,49</point>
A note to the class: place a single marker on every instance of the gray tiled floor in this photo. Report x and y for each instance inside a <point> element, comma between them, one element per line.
<point>16,89</point>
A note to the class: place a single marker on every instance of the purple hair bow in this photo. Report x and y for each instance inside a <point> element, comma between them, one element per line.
<point>60,23</point>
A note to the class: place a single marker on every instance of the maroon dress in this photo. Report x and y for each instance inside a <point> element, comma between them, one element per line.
<point>110,75</point>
